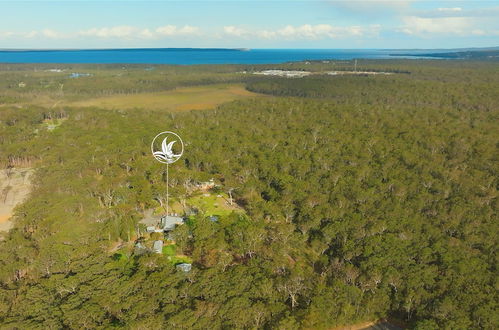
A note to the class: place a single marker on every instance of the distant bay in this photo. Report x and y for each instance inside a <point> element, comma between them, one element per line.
<point>187,56</point>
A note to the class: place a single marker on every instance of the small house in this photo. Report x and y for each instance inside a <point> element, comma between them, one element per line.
<point>140,249</point>
<point>168,222</point>
<point>157,247</point>
<point>184,267</point>
<point>151,229</point>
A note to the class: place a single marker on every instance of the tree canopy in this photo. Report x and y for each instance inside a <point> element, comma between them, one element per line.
<point>365,197</point>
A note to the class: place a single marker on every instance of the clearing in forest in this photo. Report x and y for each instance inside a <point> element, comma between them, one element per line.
<point>183,98</point>
<point>15,185</point>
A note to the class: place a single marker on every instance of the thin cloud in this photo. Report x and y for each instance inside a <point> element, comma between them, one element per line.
<point>115,32</point>
<point>48,33</point>
<point>146,34</point>
<point>235,31</point>
<point>454,9</point>
<point>423,26</point>
<point>306,31</point>
<point>428,27</point>
<point>491,12</point>
<point>130,32</point>
<point>122,31</point>
<point>172,30</point>
<point>372,9</point>
<point>45,33</point>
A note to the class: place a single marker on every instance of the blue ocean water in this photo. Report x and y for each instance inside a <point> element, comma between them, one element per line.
<point>190,55</point>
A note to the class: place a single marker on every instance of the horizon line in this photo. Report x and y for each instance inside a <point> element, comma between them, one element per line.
<point>230,48</point>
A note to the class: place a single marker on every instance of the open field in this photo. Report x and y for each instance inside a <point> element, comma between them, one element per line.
<point>213,204</point>
<point>184,98</point>
<point>179,99</point>
<point>207,203</point>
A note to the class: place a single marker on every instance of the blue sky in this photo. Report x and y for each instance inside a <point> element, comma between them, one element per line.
<point>252,24</point>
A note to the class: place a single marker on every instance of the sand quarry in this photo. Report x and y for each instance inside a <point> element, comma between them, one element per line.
<point>15,185</point>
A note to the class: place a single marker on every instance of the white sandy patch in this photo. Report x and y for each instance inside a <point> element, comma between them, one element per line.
<point>15,185</point>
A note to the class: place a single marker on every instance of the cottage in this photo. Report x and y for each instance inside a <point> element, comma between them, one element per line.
<point>140,249</point>
<point>184,267</point>
<point>157,247</point>
<point>169,222</point>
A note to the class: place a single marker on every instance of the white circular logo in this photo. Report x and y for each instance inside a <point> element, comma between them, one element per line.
<point>165,149</point>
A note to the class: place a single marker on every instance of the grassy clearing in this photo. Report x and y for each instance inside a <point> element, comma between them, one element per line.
<point>206,203</point>
<point>180,99</point>
<point>180,259</point>
<point>212,204</point>
<point>170,250</point>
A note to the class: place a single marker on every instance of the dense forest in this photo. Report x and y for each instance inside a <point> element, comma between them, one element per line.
<point>364,197</point>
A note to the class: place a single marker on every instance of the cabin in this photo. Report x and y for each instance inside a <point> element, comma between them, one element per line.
<point>184,267</point>
<point>22,84</point>
<point>168,222</point>
<point>140,249</point>
<point>157,247</point>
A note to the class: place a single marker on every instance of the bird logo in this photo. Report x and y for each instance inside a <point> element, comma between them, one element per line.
<point>168,153</point>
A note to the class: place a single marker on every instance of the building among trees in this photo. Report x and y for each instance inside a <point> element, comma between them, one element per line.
<point>157,247</point>
<point>168,222</point>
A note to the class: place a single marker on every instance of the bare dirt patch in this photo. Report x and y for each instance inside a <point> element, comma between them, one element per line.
<point>15,185</point>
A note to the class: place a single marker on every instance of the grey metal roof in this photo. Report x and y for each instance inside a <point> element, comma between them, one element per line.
<point>158,246</point>
<point>169,222</point>
<point>184,267</point>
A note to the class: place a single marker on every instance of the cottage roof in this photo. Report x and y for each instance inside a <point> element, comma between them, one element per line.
<point>169,222</point>
<point>184,267</point>
<point>158,246</point>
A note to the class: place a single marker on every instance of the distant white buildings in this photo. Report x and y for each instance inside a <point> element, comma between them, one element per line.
<point>78,75</point>
<point>334,73</point>
<point>301,74</point>
<point>284,73</point>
